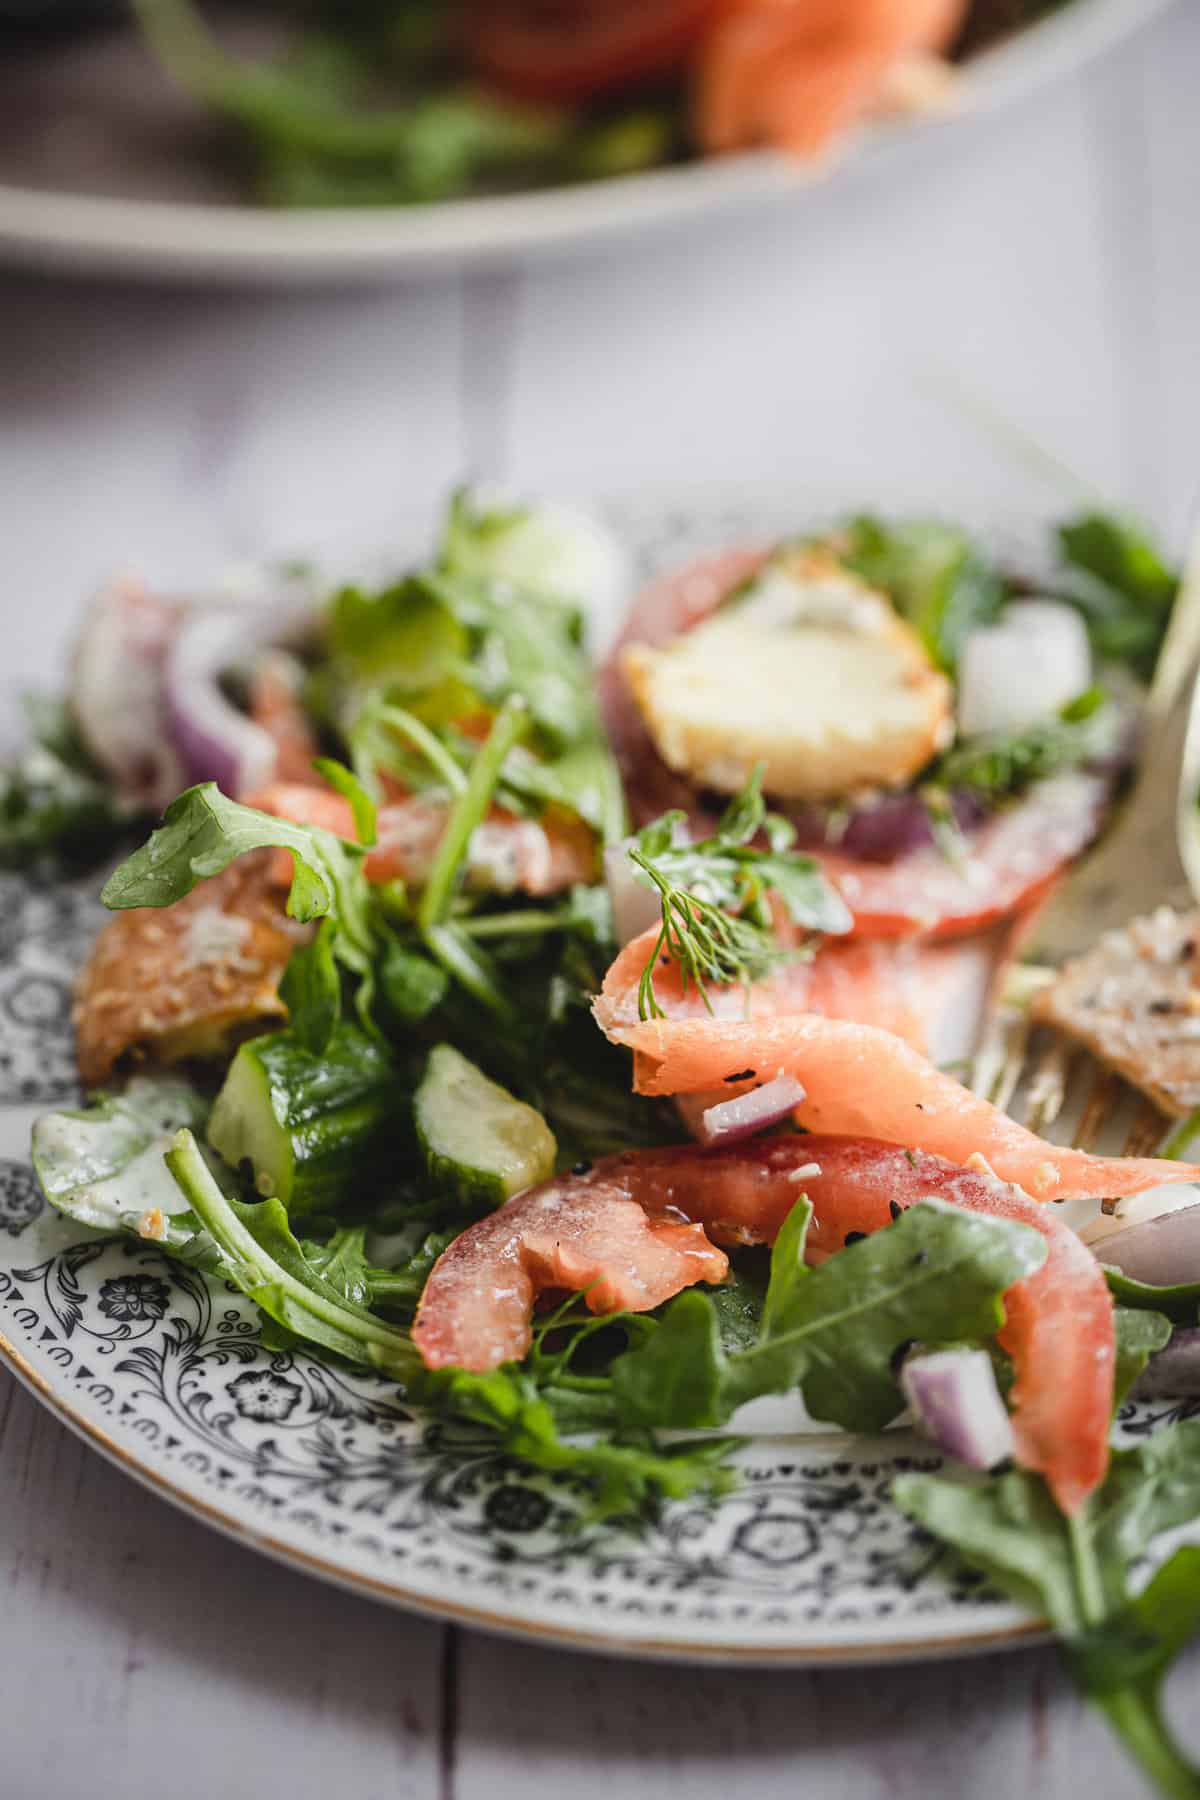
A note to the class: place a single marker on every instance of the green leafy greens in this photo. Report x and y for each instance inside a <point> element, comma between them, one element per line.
<point>936,1275</point>
<point>935,575</point>
<point>1078,1572</point>
<point>55,803</point>
<point>717,924</point>
<point>1119,580</point>
<point>999,767</point>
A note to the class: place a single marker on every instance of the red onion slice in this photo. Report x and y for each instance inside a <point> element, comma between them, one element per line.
<point>741,1117</point>
<point>884,829</point>
<point>955,1401</point>
<point>116,692</point>
<point>1173,1370</point>
<point>1162,1251</point>
<point>215,741</point>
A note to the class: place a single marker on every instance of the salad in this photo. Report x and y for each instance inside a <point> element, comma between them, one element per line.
<point>556,1048</point>
<point>379,103</point>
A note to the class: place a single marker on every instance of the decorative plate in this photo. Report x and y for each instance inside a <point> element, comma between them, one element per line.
<point>84,198</point>
<point>162,1369</point>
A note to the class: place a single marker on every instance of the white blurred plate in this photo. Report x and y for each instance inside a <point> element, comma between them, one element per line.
<point>66,204</point>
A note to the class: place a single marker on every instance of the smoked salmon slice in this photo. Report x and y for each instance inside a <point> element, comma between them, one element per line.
<point>863,1082</point>
<point>275,706</point>
<point>907,988</point>
<point>507,854</point>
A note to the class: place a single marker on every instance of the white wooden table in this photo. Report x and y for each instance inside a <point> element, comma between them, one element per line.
<point>1045,272</point>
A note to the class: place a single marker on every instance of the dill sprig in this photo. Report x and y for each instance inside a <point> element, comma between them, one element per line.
<point>717,925</point>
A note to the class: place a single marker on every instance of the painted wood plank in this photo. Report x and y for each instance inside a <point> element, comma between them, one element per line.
<point>853,348</point>
<point>533,1722</point>
<point>168,433</point>
<point>1172,275</point>
<point>148,1656</point>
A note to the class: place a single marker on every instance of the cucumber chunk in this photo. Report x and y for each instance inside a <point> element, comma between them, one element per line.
<point>481,1144</point>
<point>316,1130</point>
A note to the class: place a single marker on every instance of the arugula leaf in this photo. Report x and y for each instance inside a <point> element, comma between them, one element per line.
<point>935,1276</point>
<point>311,989</point>
<point>999,766</point>
<point>1008,1526</point>
<point>1120,581</point>
<point>1180,1302</point>
<point>1139,1334</point>
<point>203,832</point>
<point>622,1476</point>
<point>403,640</point>
<point>549,551</point>
<point>1122,1667</point>
<point>397,1289</point>
<point>412,985</point>
<point>103,1165</point>
<point>261,1257</point>
<point>584,779</point>
<point>679,1377</point>
<point>1077,1572</point>
<point>362,806</point>
<point>528,645</point>
<point>717,924</point>
<point>343,1264</point>
<point>933,573</point>
<point>54,800</point>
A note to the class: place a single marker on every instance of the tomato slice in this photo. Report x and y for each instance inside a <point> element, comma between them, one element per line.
<point>586,1233</point>
<point>1059,1325</point>
<point>1009,865</point>
<point>569,50</point>
<point>637,1227</point>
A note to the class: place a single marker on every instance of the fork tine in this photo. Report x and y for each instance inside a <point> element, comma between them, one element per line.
<point>1009,1073</point>
<point>1096,1109</point>
<point>1145,1131</point>
<point>1048,1086</point>
<point>1001,1040</point>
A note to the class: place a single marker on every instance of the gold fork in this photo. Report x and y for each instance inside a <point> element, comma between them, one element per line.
<point>1149,857</point>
